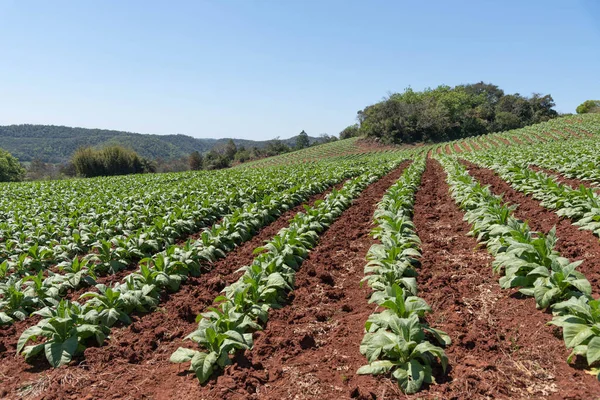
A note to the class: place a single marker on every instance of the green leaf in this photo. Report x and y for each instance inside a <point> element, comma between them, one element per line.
<point>182,355</point>
<point>441,336</point>
<point>32,351</point>
<point>575,334</point>
<point>545,295</point>
<point>583,285</point>
<point>376,368</point>
<point>60,353</point>
<point>593,353</point>
<point>410,376</point>
<point>373,344</point>
<point>29,333</point>
<point>5,319</point>
<point>202,365</point>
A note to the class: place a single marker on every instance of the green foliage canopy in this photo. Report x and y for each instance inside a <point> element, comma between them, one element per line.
<point>350,131</point>
<point>10,168</point>
<point>589,106</point>
<point>111,160</point>
<point>448,113</point>
<point>302,141</point>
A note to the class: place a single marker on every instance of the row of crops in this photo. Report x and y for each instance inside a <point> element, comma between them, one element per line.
<point>44,286</point>
<point>80,259</point>
<point>527,260</point>
<point>570,129</point>
<point>400,342</point>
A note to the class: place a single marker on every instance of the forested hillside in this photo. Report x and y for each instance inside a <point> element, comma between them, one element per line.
<point>56,144</point>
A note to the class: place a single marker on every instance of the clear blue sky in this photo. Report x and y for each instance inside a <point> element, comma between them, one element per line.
<point>260,69</point>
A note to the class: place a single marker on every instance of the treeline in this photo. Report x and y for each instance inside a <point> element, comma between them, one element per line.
<point>111,160</point>
<point>449,113</point>
<point>230,154</point>
<point>119,160</point>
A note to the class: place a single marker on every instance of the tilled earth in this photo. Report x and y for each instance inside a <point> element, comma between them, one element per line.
<point>502,347</point>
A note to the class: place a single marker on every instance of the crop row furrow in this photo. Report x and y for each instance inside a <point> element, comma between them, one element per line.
<point>141,290</point>
<point>527,260</point>
<point>244,307</point>
<point>398,340</point>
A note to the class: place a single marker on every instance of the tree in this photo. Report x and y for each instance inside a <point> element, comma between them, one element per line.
<point>302,141</point>
<point>492,93</point>
<point>542,107</point>
<point>325,138</point>
<point>37,169</point>
<point>589,106</point>
<point>506,121</point>
<point>242,155</point>
<point>349,131</point>
<point>275,147</point>
<point>214,160</point>
<point>10,168</point>
<point>195,160</point>
<point>230,150</point>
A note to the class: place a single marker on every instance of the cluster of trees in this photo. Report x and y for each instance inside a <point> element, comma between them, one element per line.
<point>111,160</point>
<point>226,155</point>
<point>589,106</point>
<point>448,113</point>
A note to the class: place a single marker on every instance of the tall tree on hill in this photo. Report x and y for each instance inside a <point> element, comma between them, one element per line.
<point>302,141</point>
<point>195,160</point>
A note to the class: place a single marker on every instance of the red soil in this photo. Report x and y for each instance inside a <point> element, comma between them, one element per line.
<point>501,346</point>
<point>457,148</point>
<point>567,133</point>
<point>573,243</point>
<point>323,321</point>
<point>134,363</point>
<point>560,134</point>
<point>582,132</point>
<point>466,147</point>
<point>503,140</point>
<point>309,349</point>
<point>131,347</point>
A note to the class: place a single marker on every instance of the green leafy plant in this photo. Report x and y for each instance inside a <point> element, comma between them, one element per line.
<point>64,328</point>
<point>403,351</point>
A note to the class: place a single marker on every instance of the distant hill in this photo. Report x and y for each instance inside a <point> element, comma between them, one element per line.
<point>56,144</point>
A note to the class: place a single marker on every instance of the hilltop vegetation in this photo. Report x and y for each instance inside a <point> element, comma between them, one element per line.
<point>450,113</point>
<point>589,106</point>
<point>56,144</point>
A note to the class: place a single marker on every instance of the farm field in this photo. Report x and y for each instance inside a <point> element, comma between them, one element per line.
<point>347,270</point>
